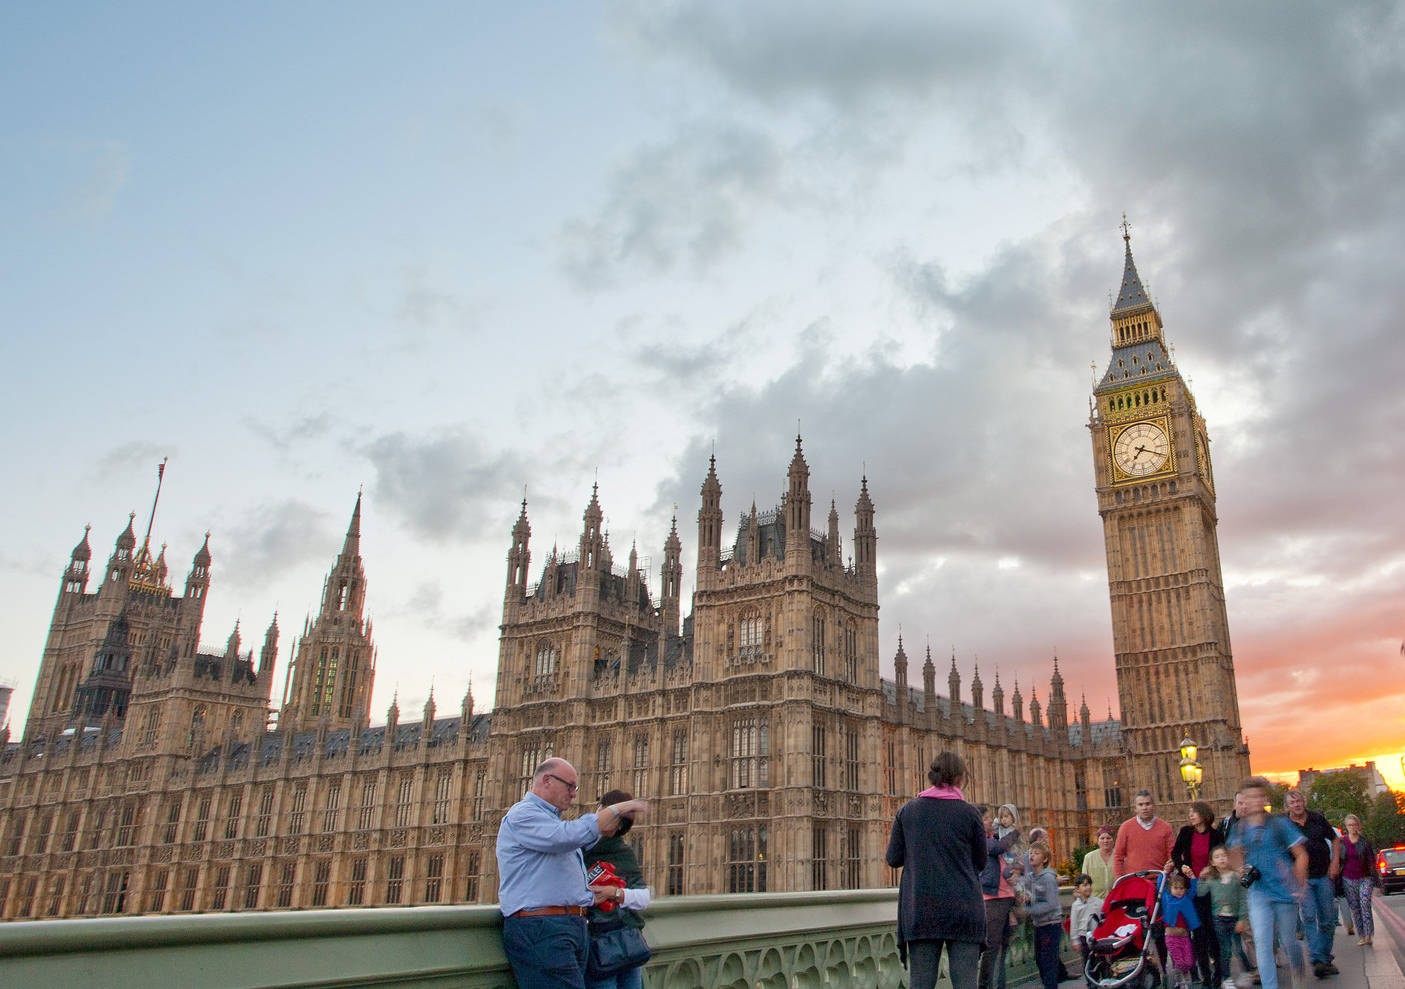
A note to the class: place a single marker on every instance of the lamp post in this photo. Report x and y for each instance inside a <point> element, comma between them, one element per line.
<point>1191,771</point>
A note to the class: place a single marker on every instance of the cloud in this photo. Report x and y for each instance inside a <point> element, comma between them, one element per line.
<point>284,437</point>
<point>678,202</point>
<point>273,538</point>
<point>134,456</point>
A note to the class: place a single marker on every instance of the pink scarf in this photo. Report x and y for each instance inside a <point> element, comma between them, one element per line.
<point>942,793</point>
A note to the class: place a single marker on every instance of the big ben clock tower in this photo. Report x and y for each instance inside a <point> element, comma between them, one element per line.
<point>1156,496</point>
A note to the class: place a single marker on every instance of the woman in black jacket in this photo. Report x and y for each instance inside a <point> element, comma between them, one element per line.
<point>939,843</point>
<point>1190,856</point>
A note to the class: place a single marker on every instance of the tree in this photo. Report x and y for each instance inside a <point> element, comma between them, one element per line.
<point>1338,794</point>
<point>1386,824</point>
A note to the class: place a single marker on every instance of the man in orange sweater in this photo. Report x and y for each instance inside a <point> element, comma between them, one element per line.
<point>1144,842</point>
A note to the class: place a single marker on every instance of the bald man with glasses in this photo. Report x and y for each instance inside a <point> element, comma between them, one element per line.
<point>541,877</point>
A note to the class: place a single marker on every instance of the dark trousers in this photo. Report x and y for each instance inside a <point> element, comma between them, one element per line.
<point>997,942</point>
<point>1230,944</point>
<point>1046,953</point>
<point>924,958</point>
<point>546,952</point>
<point>1207,949</point>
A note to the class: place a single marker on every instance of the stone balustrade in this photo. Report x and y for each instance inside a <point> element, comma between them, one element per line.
<point>845,938</point>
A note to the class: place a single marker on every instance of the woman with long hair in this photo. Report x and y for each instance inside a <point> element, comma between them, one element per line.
<point>1190,856</point>
<point>1359,878</point>
<point>999,900</point>
<point>940,844</point>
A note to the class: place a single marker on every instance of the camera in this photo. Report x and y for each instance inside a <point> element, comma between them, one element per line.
<point>1251,876</point>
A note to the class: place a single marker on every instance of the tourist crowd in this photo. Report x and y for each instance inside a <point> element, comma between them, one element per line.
<point>1237,888</point>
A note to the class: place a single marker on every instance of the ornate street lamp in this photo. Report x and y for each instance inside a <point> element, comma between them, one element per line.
<point>1191,771</point>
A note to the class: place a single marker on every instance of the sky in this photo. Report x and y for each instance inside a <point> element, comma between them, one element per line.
<point>447,253</point>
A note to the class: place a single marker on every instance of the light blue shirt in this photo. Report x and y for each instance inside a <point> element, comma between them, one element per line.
<point>539,857</point>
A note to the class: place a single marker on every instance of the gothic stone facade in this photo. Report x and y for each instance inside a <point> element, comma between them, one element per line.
<point>156,777</point>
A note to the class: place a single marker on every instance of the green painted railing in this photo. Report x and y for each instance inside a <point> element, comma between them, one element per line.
<point>841,939</point>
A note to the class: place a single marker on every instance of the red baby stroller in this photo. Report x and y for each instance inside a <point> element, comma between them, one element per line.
<point>1120,953</point>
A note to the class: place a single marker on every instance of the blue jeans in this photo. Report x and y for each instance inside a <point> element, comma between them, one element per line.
<point>630,978</point>
<point>546,952</point>
<point>1319,912</point>
<point>1270,919</point>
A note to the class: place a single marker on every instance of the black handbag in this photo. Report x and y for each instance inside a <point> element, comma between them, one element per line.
<point>615,950</point>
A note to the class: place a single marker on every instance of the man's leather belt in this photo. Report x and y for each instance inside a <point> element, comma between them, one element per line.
<point>552,912</point>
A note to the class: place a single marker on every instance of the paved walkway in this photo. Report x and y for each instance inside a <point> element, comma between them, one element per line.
<point>1377,966</point>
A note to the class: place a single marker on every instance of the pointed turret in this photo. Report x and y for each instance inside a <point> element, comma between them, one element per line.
<point>900,671</point>
<point>865,536</point>
<point>127,541</point>
<point>268,655</point>
<point>82,553</point>
<point>351,547</point>
<point>953,685</point>
<point>333,668</point>
<point>1138,342</point>
<point>1017,703</point>
<point>797,510</point>
<point>710,526</point>
<point>1034,712</point>
<point>519,556</point>
<point>929,683</point>
<point>977,689</point>
<point>231,646</point>
<point>672,583</point>
<point>392,715</point>
<point>120,563</point>
<point>1085,718</point>
<point>429,710</point>
<point>75,577</point>
<point>753,537</point>
<point>997,695</point>
<point>345,591</point>
<point>466,708</point>
<point>831,543</point>
<point>1131,297</point>
<point>592,546</point>
<point>1058,705</point>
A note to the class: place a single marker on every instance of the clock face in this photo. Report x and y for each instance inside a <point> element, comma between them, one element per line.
<point>1202,453</point>
<point>1140,449</point>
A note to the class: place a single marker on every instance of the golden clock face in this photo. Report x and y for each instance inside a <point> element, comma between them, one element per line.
<point>1141,449</point>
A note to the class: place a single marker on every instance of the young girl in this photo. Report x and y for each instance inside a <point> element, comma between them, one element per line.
<point>1180,917</point>
<point>1228,911</point>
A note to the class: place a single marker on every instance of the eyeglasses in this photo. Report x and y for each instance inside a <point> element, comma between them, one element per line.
<point>573,787</point>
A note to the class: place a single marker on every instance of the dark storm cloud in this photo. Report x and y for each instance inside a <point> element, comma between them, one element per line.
<point>1262,160</point>
<point>988,534</point>
<point>724,173</point>
<point>274,538</point>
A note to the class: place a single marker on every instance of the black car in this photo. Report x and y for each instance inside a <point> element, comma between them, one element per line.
<point>1390,866</point>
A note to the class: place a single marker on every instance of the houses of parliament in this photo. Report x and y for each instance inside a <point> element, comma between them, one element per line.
<point>154,775</point>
